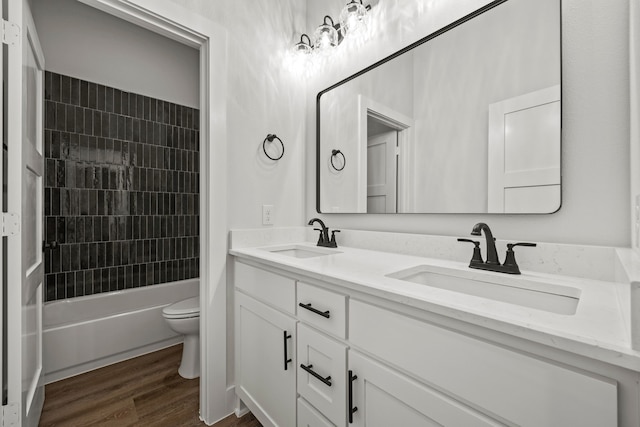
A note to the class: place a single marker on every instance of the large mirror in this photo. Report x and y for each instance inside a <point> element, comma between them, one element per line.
<point>466,120</point>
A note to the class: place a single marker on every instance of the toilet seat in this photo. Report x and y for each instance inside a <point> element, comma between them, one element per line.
<point>185,309</point>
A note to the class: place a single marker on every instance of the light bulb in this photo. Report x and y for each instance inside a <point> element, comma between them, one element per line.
<point>352,18</point>
<point>326,36</point>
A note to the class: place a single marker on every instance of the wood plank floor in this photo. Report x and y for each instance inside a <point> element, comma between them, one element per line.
<point>145,391</point>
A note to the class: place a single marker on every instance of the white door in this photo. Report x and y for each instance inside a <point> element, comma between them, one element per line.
<point>25,267</point>
<point>382,172</point>
<point>524,153</point>
<point>383,397</point>
<point>265,361</point>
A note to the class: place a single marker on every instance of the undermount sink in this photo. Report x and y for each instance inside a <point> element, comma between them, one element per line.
<point>514,290</point>
<point>300,251</point>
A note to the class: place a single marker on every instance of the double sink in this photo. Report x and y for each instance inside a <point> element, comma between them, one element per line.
<point>521,291</point>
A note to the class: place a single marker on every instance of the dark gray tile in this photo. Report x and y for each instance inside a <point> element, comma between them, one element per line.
<point>139,106</point>
<point>133,105</point>
<point>56,87</point>
<point>75,92</point>
<point>69,286</point>
<point>117,101</point>
<point>124,104</point>
<point>121,131</point>
<point>84,256</point>
<point>96,122</point>
<point>101,98</point>
<point>84,93</point>
<point>93,95</point>
<point>65,96</point>
<point>108,100</point>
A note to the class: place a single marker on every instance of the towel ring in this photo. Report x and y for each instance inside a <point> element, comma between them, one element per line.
<point>270,137</point>
<point>334,153</point>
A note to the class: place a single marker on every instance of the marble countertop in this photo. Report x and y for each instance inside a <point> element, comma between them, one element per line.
<point>599,328</point>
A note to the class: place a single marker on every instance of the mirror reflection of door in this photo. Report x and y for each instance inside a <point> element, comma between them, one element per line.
<point>524,153</point>
<point>382,167</point>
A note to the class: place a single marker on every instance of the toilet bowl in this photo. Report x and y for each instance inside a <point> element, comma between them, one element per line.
<point>184,318</point>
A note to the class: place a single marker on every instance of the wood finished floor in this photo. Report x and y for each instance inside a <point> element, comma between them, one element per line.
<point>145,391</point>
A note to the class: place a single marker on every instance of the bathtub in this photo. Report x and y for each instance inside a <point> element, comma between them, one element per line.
<point>86,333</point>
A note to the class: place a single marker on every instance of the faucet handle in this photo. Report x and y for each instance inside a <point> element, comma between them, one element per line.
<point>477,256</point>
<point>510,260</point>
<point>333,243</point>
<point>320,237</point>
<point>513,245</point>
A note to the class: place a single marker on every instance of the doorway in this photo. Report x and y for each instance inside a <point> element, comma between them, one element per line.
<point>163,17</point>
<point>382,167</point>
<point>386,143</point>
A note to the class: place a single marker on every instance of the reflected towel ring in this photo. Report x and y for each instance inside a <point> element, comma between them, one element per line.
<point>334,153</point>
<point>270,137</point>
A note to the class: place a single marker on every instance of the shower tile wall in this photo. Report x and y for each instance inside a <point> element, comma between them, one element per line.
<point>121,191</point>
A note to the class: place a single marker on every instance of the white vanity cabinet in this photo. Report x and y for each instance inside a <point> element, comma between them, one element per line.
<point>361,360</point>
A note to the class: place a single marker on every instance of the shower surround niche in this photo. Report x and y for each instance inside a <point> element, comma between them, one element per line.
<point>121,191</point>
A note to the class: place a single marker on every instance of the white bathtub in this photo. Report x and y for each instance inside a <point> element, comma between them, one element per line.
<point>86,333</point>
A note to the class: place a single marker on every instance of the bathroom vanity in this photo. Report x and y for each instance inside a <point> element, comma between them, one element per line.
<point>354,336</point>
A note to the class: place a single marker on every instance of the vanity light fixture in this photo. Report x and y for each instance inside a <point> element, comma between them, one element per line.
<point>352,17</point>
<point>329,34</point>
<point>303,47</point>
<point>326,35</point>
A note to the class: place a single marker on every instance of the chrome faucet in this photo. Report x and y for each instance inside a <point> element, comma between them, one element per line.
<point>492,264</point>
<point>323,239</point>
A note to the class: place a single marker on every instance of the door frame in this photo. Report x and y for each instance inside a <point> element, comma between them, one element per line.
<point>175,22</point>
<point>404,125</point>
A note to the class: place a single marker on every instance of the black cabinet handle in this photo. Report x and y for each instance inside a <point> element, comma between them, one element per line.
<point>316,311</point>
<point>307,368</point>
<point>286,357</point>
<point>352,409</point>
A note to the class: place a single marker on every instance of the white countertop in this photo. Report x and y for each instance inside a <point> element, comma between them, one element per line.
<point>599,329</point>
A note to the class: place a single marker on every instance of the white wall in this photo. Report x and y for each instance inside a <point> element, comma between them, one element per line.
<point>85,43</point>
<point>595,150</point>
<point>263,96</point>
<point>634,49</point>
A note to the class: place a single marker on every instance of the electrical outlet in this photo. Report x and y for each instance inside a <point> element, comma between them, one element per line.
<point>267,214</point>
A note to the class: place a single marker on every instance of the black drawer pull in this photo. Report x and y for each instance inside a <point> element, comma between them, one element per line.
<point>286,357</point>
<point>352,409</point>
<point>316,311</point>
<point>307,368</point>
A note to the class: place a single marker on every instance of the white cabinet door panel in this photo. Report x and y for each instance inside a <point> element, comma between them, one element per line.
<point>265,361</point>
<point>383,397</point>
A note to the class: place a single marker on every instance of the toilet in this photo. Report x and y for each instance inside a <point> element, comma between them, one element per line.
<point>184,318</point>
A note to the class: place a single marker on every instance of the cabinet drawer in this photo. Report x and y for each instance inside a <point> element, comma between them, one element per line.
<point>519,388</point>
<point>276,290</point>
<point>325,359</point>
<point>309,417</point>
<point>324,309</point>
